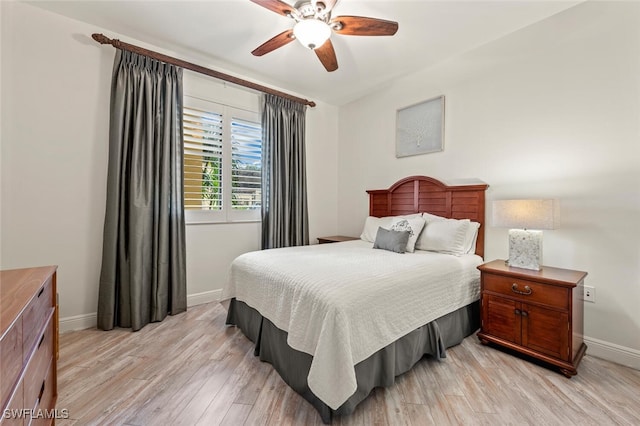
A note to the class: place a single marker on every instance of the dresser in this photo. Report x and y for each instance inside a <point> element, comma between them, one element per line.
<point>28,342</point>
<point>536,313</point>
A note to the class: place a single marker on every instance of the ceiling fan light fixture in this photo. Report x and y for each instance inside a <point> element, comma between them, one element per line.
<point>312,33</point>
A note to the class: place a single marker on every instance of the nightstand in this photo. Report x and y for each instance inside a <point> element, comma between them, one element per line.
<point>335,239</point>
<point>536,313</point>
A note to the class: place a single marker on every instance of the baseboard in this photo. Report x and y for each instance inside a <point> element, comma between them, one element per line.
<point>205,297</point>
<point>612,352</point>
<point>80,322</point>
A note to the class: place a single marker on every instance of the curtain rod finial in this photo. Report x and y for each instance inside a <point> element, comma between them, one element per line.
<point>101,38</point>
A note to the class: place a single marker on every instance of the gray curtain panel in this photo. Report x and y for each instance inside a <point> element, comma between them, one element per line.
<point>285,220</point>
<point>143,275</point>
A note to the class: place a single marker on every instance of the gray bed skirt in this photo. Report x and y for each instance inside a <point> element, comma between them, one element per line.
<point>380,369</point>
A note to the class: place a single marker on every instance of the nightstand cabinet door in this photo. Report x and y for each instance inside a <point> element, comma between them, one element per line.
<point>546,331</point>
<point>500,318</point>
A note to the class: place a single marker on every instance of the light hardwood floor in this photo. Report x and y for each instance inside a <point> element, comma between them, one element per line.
<point>192,369</point>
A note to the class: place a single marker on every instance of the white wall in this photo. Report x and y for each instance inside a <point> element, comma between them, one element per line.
<point>55,108</point>
<point>550,111</point>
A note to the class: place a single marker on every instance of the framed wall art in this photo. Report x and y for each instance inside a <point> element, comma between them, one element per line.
<point>420,128</point>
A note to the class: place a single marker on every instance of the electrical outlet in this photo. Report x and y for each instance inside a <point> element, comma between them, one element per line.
<point>589,294</point>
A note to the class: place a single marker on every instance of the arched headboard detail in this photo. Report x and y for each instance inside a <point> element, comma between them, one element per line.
<point>419,194</point>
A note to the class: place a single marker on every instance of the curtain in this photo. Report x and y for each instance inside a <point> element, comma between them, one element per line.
<point>285,220</point>
<point>143,276</point>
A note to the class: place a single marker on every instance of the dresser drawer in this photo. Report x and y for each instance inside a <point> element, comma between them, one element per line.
<point>36,314</point>
<point>45,403</point>
<point>37,367</point>
<point>14,406</point>
<point>11,359</point>
<point>527,291</point>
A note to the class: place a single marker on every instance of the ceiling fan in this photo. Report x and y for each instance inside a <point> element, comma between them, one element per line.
<point>313,27</point>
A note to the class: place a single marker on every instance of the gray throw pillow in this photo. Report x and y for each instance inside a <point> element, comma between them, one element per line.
<point>387,239</point>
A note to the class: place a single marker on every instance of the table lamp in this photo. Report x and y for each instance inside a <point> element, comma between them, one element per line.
<point>525,219</point>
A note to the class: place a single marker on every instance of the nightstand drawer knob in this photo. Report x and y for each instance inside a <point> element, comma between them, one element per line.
<point>527,289</point>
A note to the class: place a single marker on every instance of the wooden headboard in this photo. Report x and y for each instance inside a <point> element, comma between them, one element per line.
<point>419,194</point>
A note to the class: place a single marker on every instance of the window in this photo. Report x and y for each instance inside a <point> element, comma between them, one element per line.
<point>222,162</point>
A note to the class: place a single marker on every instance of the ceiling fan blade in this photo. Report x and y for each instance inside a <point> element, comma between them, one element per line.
<point>277,6</point>
<point>272,44</point>
<point>362,26</point>
<point>327,56</point>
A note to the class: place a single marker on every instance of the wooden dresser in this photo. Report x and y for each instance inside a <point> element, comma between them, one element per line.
<point>537,313</point>
<point>28,342</point>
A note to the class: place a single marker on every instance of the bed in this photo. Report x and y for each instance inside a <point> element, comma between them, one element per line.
<point>337,320</point>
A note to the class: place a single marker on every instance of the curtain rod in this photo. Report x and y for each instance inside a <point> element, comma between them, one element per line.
<point>102,39</point>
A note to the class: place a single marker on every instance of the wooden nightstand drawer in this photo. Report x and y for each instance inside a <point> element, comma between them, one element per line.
<point>527,291</point>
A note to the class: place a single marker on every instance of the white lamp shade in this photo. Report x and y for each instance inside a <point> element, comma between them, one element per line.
<point>312,33</point>
<point>523,214</point>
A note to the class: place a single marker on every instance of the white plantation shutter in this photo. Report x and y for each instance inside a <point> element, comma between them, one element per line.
<point>203,159</point>
<point>246,164</point>
<point>222,162</point>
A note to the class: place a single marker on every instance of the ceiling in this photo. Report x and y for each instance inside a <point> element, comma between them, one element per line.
<point>221,34</point>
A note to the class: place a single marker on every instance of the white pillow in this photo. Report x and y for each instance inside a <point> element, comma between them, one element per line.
<point>371,225</point>
<point>428,217</point>
<point>410,216</point>
<point>445,236</point>
<point>413,224</point>
<point>470,238</point>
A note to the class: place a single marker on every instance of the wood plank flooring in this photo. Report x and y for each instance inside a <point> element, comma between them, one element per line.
<point>191,369</point>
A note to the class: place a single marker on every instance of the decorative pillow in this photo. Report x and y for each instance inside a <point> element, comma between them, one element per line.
<point>371,226</point>
<point>387,239</point>
<point>445,236</point>
<point>412,224</point>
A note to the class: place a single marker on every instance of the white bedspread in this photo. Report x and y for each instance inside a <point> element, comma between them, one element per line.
<point>342,302</point>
